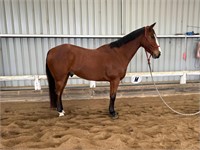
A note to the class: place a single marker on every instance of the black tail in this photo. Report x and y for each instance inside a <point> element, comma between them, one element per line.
<point>52,92</point>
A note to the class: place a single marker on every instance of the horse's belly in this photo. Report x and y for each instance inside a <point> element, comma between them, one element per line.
<point>96,68</point>
<point>90,72</point>
<point>93,78</point>
<point>99,73</point>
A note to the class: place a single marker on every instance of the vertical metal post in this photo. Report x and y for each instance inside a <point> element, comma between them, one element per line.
<point>92,84</point>
<point>183,79</point>
<point>37,83</point>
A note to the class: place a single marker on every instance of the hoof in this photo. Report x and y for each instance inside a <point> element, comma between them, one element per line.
<point>114,115</point>
<point>61,114</point>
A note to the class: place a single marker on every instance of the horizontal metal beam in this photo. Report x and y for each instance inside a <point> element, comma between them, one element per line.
<point>37,78</point>
<point>26,77</point>
<point>141,74</point>
<point>57,36</point>
<point>84,36</point>
<point>163,74</point>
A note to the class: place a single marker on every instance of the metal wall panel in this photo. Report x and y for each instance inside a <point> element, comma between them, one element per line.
<point>172,16</point>
<point>98,17</point>
<point>80,17</point>
<point>170,60</point>
<point>26,56</point>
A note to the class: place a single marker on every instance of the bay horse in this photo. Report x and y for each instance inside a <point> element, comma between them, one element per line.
<point>106,63</point>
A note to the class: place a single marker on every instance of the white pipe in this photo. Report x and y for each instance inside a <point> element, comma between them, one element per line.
<point>83,36</point>
<point>57,36</point>
<point>37,85</point>
<point>178,36</point>
<point>143,74</point>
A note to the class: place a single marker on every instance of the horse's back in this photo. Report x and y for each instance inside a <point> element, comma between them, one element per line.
<point>69,49</point>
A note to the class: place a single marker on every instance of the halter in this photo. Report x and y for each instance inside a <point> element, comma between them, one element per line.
<point>152,45</point>
<point>145,35</point>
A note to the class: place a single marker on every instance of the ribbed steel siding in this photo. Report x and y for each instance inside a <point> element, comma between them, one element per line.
<point>61,17</point>
<point>170,60</point>
<point>172,16</point>
<point>24,56</point>
<point>98,16</point>
<point>27,56</point>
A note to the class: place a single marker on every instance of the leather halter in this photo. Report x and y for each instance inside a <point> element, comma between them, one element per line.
<point>152,45</point>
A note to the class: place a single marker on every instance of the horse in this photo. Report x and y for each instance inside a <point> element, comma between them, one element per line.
<point>106,63</point>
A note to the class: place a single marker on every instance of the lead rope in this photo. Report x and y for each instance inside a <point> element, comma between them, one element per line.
<point>183,114</point>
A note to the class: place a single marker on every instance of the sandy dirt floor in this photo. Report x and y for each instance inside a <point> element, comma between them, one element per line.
<point>143,123</point>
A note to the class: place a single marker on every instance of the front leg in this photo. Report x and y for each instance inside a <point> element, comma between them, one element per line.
<point>112,111</point>
<point>113,90</point>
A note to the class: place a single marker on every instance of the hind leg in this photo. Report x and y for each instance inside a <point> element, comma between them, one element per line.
<point>60,85</point>
<point>113,91</point>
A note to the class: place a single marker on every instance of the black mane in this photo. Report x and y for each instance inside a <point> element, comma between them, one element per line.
<point>127,38</point>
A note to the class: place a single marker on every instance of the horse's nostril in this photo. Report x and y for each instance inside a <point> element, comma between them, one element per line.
<point>156,55</point>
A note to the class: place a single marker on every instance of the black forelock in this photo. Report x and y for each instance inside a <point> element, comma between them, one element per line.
<point>127,38</point>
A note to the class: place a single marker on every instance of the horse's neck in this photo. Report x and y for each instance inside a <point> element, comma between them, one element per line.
<point>127,51</point>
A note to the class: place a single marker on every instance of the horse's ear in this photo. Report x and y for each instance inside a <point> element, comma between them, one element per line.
<point>151,27</point>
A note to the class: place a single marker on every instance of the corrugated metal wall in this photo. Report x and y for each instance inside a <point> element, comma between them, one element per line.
<point>61,17</point>
<point>25,56</point>
<point>172,16</point>
<point>98,17</point>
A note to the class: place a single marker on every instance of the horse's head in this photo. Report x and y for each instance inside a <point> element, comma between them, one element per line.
<point>150,42</point>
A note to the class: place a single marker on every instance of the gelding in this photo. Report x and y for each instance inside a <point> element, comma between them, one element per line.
<point>106,63</point>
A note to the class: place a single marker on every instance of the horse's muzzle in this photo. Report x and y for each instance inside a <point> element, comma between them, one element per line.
<point>155,56</point>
